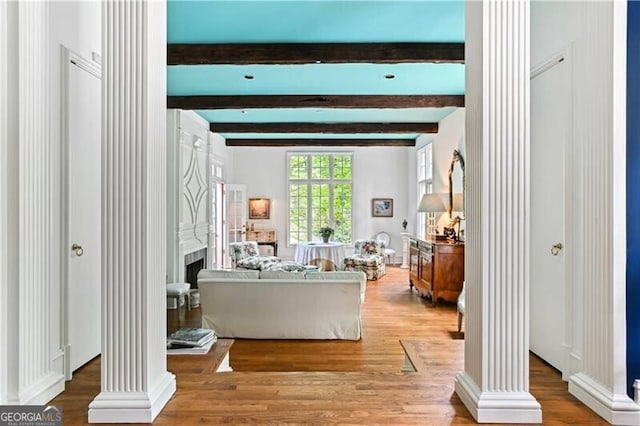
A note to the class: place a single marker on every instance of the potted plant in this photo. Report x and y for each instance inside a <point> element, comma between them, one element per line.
<point>326,232</point>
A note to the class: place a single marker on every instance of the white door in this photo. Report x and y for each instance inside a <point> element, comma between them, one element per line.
<point>550,130</point>
<point>84,195</point>
<point>236,221</point>
<point>216,217</point>
<point>219,224</point>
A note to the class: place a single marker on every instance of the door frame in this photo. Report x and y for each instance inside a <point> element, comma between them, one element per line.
<point>215,249</point>
<point>68,56</point>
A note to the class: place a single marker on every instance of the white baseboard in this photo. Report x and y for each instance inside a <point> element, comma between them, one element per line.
<point>617,409</point>
<point>132,407</point>
<point>42,391</point>
<point>497,407</point>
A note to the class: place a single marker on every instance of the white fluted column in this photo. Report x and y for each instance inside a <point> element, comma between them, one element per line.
<point>28,252</point>
<point>8,198</point>
<point>495,384</point>
<point>135,383</point>
<point>601,159</point>
<point>405,250</point>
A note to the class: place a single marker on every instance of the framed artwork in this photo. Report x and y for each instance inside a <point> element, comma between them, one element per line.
<point>382,207</point>
<point>259,208</point>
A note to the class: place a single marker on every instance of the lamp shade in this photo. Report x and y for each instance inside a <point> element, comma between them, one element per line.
<point>432,203</point>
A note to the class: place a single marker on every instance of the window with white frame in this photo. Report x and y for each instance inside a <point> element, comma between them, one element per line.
<point>320,194</point>
<point>425,221</point>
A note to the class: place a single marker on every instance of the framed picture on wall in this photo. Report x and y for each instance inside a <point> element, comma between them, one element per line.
<point>382,207</point>
<point>259,208</point>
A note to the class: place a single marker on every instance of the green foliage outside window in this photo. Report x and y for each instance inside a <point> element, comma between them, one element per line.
<point>320,195</point>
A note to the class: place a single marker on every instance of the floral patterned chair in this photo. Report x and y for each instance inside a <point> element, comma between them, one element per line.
<point>245,254</point>
<point>367,257</point>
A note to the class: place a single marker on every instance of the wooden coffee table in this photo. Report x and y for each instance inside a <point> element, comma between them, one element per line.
<point>216,360</point>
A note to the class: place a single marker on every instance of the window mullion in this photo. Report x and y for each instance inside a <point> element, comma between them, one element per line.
<point>309,201</point>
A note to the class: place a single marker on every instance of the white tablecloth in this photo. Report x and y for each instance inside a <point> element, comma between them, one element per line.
<point>306,252</point>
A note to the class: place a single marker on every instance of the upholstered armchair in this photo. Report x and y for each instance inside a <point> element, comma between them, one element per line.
<point>245,254</point>
<point>461,308</point>
<point>368,257</point>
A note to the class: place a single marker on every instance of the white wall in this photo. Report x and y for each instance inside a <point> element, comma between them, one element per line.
<point>378,172</point>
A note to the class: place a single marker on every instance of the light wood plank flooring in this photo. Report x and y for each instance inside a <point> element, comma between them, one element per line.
<point>335,382</point>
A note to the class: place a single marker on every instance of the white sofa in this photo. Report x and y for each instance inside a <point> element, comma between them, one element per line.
<point>251,304</point>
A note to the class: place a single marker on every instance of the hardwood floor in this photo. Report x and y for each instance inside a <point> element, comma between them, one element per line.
<point>337,382</point>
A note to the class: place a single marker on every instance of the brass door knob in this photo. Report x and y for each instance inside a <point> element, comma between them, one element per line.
<point>77,249</point>
<point>555,249</point>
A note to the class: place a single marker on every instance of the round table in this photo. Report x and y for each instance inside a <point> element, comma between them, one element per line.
<point>306,252</point>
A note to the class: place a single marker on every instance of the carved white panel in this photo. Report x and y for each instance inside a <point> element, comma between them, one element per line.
<point>194,158</point>
<point>195,161</point>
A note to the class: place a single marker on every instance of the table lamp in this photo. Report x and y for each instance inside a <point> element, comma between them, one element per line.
<point>432,203</point>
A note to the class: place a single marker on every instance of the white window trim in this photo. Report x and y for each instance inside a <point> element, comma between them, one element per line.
<point>425,222</point>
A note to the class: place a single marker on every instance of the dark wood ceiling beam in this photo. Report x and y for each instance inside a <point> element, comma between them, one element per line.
<point>320,142</point>
<point>324,127</point>
<point>314,101</point>
<point>309,53</point>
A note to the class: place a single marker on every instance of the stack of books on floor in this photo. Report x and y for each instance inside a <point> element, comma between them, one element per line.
<point>190,341</point>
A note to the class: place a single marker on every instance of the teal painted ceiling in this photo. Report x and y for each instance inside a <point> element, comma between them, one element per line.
<point>300,21</point>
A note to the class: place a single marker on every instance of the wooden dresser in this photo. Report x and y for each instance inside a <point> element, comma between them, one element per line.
<point>264,238</point>
<point>436,269</point>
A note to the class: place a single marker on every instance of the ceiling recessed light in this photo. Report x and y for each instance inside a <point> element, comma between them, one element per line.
<point>248,77</point>
<point>389,76</point>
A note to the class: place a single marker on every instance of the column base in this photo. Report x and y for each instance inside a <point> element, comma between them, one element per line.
<point>132,407</point>
<point>617,409</point>
<point>497,407</point>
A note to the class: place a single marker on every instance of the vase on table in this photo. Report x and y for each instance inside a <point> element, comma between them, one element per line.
<point>325,240</point>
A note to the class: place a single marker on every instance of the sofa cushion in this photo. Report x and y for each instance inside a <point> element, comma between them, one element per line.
<point>363,260</point>
<point>236,274</point>
<point>286,266</point>
<point>257,262</point>
<point>282,275</point>
<point>341,275</point>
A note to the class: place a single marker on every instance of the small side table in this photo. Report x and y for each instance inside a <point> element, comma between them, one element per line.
<point>177,291</point>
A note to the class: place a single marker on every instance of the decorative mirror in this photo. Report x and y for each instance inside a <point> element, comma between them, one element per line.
<point>456,195</point>
<point>456,184</point>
